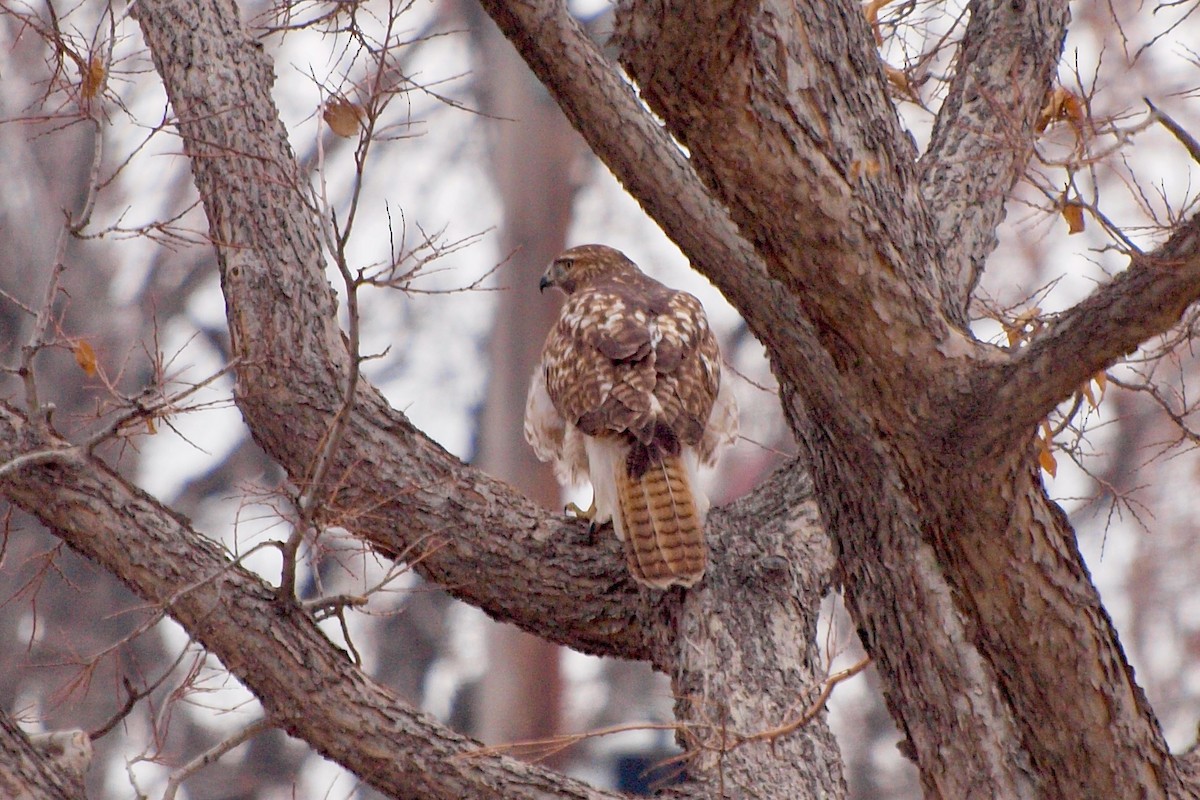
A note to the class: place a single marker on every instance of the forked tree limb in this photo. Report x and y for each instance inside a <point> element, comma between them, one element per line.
<point>1145,300</point>
<point>308,687</point>
<point>387,482</point>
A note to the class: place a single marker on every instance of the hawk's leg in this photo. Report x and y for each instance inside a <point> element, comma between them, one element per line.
<point>589,514</point>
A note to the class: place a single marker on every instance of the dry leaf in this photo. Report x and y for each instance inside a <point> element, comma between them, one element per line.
<point>151,428</point>
<point>1046,460</point>
<point>1073,213</point>
<point>871,12</point>
<point>1061,104</point>
<point>1101,379</point>
<point>1016,330</point>
<point>899,79</point>
<point>343,117</point>
<point>1045,456</point>
<point>85,357</point>
<point>1072,109</point>
<point>1087,392</point>
<point>92,79</point>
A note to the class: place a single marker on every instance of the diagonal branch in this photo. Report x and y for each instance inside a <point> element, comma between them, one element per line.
<point>784,109</point>
<point>307,686</point>
<point>388,482</point>
<point>984,132</point>
<point>808,235</point>
<point>1143,301</point>
<point>602,106</point>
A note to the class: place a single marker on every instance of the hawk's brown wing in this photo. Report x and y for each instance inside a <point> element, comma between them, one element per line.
<point>628,354</point>
<point>633,367</point>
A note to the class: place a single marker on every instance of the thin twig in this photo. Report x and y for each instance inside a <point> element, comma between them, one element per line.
<point>1186,139</point>
<point>212,755</point>
<point>141,412</point>
<point>814,708</point>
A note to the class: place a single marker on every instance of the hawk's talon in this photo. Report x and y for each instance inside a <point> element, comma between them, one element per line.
<point>589,514</point>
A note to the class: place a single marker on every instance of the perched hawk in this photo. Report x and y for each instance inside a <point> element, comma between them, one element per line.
<point>629,395</point>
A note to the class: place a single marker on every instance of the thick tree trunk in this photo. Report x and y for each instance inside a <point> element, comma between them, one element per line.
<point>963,577</point>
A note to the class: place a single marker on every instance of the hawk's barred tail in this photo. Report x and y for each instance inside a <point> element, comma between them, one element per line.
<point>664,535</point>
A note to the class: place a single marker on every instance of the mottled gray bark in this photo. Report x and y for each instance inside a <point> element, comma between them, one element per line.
<point>29,772</point>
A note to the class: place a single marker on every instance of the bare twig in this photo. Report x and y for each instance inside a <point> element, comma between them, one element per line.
<point>134,696</point>
<point>539,749</point>
<point>814,708</point>
<point>1186,139</point>
<point>212,755</point>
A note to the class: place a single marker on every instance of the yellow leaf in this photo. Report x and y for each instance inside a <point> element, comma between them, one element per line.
<point>85,357</point>
<point>871,11</point>
<point>899,79</point>
<point>1073,213</point>
<point>1016,330</point>
<point>1049,111</point>
<point>1046,460</point>
<point>343,117</point>
<point>151,428</point>
<point>1072,109</point>
<point>1087,392</point>
<point>93,78</point>
<point>1101,379</point>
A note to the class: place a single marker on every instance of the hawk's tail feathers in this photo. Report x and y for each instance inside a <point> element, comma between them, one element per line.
<point>664,531</point>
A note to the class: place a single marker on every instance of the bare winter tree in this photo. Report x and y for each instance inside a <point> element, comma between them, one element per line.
<point>766,143</point>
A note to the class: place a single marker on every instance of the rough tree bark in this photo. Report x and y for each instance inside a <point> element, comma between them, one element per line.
<point>804,202</point>
<point>963,577</point>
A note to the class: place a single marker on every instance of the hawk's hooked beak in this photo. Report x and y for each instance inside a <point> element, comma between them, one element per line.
<point>544,282</point>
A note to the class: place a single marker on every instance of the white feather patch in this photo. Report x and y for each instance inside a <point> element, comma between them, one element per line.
<point>604,458</point>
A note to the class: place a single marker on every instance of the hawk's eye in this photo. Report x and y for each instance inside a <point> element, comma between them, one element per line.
<point>566,263</point>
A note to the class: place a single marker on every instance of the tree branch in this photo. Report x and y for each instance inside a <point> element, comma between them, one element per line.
<point>603,107</point>
<point>27,773</point>
<point>1143,301</point>
<point>784,109</point>
<point>414,497</point>
<point>307,686</point>
<point>984,132</point>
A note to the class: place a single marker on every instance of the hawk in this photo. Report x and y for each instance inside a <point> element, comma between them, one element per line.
<point>629,395</point>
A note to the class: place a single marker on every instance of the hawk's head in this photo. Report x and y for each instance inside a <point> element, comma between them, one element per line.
<point>582,265</point>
